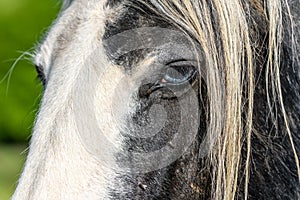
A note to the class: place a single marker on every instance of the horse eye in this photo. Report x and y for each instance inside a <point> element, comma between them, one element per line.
<point>177,75</point>
<point>175,80</point>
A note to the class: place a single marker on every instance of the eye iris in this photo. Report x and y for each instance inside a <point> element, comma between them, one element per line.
<point>178,74</point>
<point>174,81</point>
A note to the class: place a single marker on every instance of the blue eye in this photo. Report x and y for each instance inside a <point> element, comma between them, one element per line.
<point>177,75</point>
<point>175,80</point>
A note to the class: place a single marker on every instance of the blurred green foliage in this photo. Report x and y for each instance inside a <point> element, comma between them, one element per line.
<point>22,25</point>
<point>10,168</point>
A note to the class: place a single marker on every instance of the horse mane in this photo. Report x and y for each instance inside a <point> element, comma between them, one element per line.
<point>238,38</point>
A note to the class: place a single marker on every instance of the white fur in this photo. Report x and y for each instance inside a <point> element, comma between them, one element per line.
<point>59,165</point>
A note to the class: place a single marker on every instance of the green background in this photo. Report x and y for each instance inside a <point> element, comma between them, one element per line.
<point>23,23</point>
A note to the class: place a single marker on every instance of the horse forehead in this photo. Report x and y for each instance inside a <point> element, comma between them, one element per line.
<point>98,20</point>
<point>78,21</point>
<point>113,16</point>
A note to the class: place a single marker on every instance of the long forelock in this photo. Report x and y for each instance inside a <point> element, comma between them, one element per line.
<point>230,39</point>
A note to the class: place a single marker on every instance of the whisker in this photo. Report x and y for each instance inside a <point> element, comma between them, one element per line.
<point>8,75</point>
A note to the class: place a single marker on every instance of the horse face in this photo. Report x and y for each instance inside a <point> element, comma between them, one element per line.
<point>120,106</point>
<point>158,102</point>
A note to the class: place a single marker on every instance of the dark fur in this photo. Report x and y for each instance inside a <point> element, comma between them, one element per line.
<point>273,173</point>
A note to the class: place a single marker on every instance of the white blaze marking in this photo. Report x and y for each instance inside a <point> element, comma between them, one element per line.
<point>59,165</point>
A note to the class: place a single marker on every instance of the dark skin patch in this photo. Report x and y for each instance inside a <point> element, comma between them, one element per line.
<point>132,18</point>
<point>41,74</point>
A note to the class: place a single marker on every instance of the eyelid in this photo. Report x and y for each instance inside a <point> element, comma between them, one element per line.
<point>200,65</point>
<point>177,61</point>
<point>182,63</point>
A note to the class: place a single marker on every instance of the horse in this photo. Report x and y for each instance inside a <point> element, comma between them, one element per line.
<point>167,99</point>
